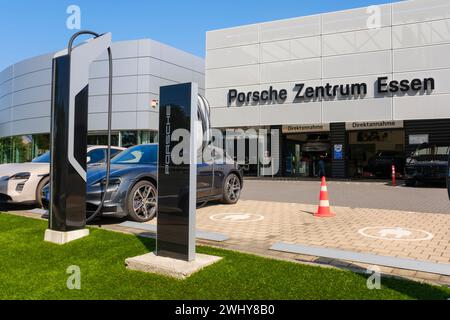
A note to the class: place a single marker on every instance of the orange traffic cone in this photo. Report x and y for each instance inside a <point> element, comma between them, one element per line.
<point>324,204</point>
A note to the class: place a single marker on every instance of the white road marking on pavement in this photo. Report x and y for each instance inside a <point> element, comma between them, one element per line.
<point>396,233</point>
<point>237,217</point>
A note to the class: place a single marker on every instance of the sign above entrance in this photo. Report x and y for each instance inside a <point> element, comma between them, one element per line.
<point>303,93</point>
<point>373,125</point>
<point>306,128</point>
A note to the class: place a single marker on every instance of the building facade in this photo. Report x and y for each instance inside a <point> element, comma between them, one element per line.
<point>140,67</point>
<point>347,86</point>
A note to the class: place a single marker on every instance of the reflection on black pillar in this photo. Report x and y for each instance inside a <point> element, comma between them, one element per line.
<point>68,188</point>
<point>176,203</point>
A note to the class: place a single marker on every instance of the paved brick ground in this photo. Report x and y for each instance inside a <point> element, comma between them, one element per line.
<point>377,195</point>
<point>294,223</point>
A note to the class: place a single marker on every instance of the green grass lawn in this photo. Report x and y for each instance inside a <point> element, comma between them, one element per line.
<point>33,269</point>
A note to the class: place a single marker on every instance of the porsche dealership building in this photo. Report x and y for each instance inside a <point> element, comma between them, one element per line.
<point>345,86</point>
<point>140,67</point>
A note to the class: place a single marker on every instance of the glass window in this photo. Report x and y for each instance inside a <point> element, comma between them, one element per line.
<point>432,150</point>
<point>129,139</point>
<point>96,156</point>
<point>142,154</point>
<point>146,137</point>
<point>22,148</point>
<point>45,158</point>
<point>5,150</point>
<point>101,139</point>
<point>442,151</point>
<point>41,144</point>
<point>114,152</point>
<point>126,138</point>
<point>423,152</point>
<point>7,156</point>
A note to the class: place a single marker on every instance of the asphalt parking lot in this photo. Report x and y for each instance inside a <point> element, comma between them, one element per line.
<point>352,194</point>
<point>373,195</point>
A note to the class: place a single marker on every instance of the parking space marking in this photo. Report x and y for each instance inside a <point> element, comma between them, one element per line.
<point>396,233</point>
<point>237,217</point>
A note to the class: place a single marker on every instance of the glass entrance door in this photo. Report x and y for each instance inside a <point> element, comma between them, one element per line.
<point>303,153</point>
<point>296,164</point>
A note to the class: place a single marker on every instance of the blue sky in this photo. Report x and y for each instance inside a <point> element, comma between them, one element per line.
<point>30,28</point>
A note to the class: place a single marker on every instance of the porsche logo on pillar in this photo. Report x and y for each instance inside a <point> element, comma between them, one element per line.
<point>383,86</point>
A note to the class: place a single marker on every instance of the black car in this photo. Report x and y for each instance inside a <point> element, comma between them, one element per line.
<point>381,164</point>
<point>133,182</point>
<point>429,163</point>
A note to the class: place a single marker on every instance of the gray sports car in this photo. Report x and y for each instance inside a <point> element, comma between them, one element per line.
<point>133,181</point>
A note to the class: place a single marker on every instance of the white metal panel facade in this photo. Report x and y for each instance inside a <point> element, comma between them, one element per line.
<point>140,68</point>
<point>403,40</point>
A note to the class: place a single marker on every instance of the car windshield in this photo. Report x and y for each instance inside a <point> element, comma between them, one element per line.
<point>143,154</point>
<point>43,158</point>
<point>432,151</point>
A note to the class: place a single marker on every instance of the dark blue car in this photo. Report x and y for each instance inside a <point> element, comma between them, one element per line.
<point>132,189</point>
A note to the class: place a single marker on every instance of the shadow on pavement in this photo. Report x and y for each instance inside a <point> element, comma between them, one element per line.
<point>420,185</point>
<point>308,212</point>
<point>107,220</point>
<point>16,207</point>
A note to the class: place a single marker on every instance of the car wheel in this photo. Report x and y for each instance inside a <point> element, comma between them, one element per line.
<point>410,182</point>
<point>39,188</point>
<point>231,189</point>
<point>141,201</point>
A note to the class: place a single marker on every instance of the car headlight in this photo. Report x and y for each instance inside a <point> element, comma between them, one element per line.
<point>20,176</point>
<point>410,161</point>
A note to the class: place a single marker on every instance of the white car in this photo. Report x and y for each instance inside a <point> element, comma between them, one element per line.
<point>23,182</point>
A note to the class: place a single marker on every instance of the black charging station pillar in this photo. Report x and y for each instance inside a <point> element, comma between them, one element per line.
<point>175,254</point>
<point>68,184</point>
<point>448,177</point>
<point>69,126</point>
<point>177,182</point>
